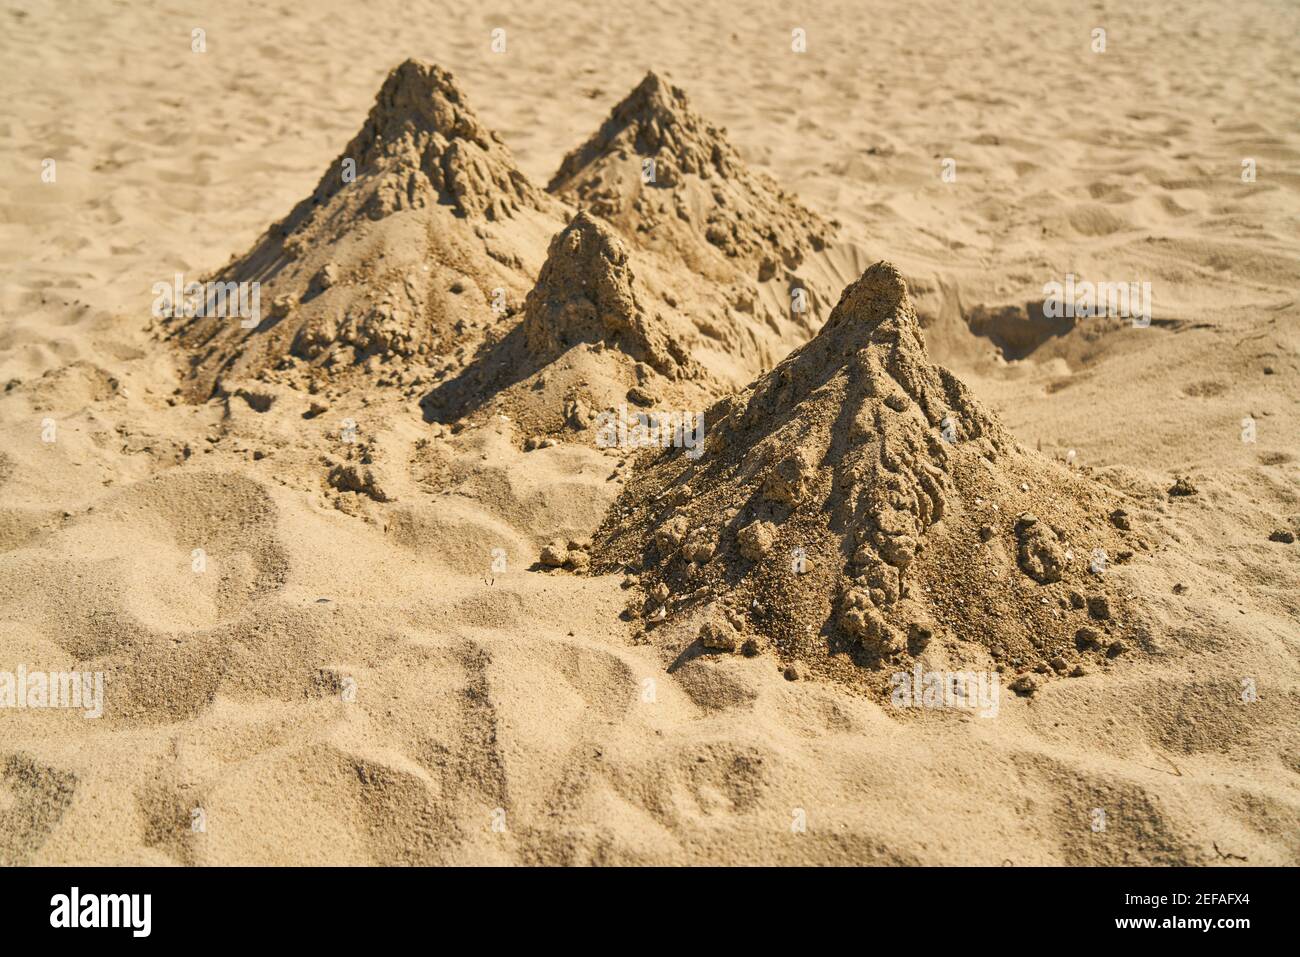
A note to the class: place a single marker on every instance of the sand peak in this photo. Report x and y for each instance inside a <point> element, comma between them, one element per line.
<point>585,292</point>
<point>654,120</point>
<point>425,144</point>
<point>668,178</point>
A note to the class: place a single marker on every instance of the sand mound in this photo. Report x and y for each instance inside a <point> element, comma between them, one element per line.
<point>420,235</point>
<point>590,340</point>
<point>856,508</point>
<point>585,293</point>
<point>671,181</point>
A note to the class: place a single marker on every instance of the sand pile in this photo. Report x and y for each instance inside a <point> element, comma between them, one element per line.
<point>669,179</point>
<point>585,293</point>
<point>590,340</point>
<point>856,508</point>
<point>413,256</point>
<point>757,278</point>
<point>419,236</point>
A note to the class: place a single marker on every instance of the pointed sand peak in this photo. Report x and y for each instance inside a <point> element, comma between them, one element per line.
<point>870,351</point>
<point>654,120</point>
<point>893,491</point>
<point>423,97</point>
<point>670,180</point>
<point>586,292</point>
<point>424,143</point>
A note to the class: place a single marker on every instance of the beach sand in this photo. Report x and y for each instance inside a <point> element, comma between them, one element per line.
<point>330,628</point>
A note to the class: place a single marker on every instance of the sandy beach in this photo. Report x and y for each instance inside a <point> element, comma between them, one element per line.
<point>628,424</point>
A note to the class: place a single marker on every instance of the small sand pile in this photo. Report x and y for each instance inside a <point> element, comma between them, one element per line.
<point>585,293</point>
<point>419,236</point>
<point>670,181</point>
<point>590,340</point>
<point>856,508</point>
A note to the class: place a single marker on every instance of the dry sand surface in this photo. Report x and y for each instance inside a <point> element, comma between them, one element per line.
<point>365,587</point>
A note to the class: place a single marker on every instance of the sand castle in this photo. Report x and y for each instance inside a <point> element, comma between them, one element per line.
<point>660,172</point>
<point>585,293</point>
<point>418,238</point>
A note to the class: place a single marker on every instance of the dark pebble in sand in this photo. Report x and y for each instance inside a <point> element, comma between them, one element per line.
<point>1099,607</point>
<point>1025,685</point>
<point>1087,639</point>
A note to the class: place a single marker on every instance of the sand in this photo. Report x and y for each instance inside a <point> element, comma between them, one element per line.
<point>365,587</point>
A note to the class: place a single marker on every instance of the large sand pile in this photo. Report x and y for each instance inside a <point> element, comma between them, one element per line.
<point>856,507</point>
<point>420,235</point>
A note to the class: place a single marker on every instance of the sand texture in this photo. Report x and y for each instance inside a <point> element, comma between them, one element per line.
<point>380,575</point>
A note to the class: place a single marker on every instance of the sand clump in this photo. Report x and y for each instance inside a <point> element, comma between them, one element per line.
<point>863,509</point>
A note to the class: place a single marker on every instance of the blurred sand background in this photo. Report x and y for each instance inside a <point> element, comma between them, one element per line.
<point>524,693</point>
